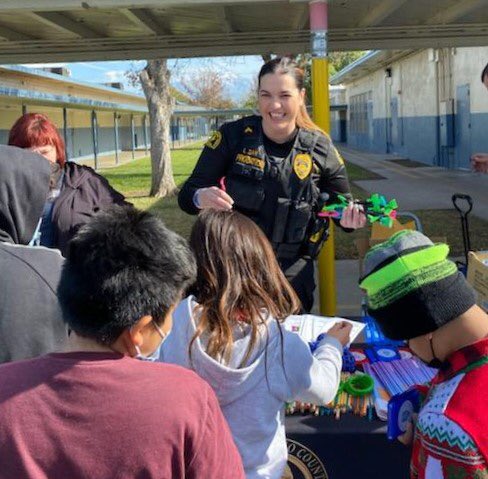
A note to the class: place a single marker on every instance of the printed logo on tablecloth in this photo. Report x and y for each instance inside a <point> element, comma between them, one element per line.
<point>303,463</point>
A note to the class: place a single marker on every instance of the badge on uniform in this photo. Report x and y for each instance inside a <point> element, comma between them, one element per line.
<point>302,165</point>
<point>248,130</point>
<point>214,141</point>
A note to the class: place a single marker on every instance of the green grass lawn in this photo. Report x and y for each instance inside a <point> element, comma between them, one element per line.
<point>133,179</point>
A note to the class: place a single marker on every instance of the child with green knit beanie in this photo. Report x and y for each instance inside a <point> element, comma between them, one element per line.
<point>416,293</point>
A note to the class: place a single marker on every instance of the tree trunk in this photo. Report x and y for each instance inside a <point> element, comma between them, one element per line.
<point>155,83</point>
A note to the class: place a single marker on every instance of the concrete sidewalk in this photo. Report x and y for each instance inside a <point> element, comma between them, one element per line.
<point>425,187</point>
<point>415,189</point>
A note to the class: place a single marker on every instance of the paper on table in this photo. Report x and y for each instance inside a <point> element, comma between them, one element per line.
<point>309,326</point>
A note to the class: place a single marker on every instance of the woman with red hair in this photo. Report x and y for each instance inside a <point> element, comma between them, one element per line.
<point>76,191</point>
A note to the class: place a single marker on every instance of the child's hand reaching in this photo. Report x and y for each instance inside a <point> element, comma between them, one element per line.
<point>341,331</point>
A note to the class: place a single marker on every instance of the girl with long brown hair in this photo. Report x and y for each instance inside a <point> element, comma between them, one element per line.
<point>277,168</point>
<point>230,333</point>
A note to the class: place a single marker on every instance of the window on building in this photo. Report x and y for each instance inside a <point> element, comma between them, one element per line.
<point>359,113</point>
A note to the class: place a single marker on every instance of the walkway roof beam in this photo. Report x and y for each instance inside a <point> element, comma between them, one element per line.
<point>228,26</point>
<point>143,18</point>
<point>458,10</point>
<point>302,20</point>
<point>380,12</point>
<point>145,29</point>
<point>63,23</point>
<point>13,35</point>
<point>280,42</point>
<point>58,5</point>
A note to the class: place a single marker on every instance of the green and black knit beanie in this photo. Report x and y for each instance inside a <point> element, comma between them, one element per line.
<point>412,288</point>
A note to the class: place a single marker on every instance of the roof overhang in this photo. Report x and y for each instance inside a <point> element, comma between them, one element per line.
<point>74,30</point>
<point>368,64</point>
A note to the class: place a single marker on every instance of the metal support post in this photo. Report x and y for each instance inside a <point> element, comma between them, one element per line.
<point>95,137</point>
<point>318,10</point>
<point>144,125</point>
<point>132,136</point>
<point>116,137</point>
<point>65,132</point>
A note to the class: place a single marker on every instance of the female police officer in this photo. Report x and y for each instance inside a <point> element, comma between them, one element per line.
<point>275,168</point>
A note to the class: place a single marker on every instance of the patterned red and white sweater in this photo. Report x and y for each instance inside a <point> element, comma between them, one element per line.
<point>451,436</point>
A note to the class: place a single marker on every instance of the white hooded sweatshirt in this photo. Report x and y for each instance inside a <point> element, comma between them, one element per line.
<point>252,397</point>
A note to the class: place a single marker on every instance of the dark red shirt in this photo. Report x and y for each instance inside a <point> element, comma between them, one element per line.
<point>103,415</point>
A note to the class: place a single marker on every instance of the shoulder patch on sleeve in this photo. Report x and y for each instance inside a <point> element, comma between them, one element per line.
<point>215,140</point>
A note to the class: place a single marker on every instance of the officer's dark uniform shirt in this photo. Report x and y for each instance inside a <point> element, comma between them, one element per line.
<point>276,185</point>
<point>328,173</point>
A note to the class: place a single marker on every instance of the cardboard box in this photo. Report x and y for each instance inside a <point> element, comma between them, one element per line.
<point>379,234</point>
<point>478,276</point>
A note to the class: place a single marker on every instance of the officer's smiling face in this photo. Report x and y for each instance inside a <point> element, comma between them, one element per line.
<point>279,101</point>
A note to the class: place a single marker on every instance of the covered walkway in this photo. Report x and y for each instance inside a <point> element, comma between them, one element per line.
<point>74,30</point>
<point>111,161</point>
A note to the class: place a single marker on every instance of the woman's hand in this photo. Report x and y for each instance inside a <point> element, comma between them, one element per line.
<point>479,162</point>
<point>215,198</point>
<point>353,216</point>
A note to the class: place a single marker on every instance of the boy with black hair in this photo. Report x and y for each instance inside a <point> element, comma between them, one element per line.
<point>94,410</point>
<point>415,293</point>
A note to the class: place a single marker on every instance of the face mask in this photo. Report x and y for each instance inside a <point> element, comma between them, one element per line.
<point>154,356</point>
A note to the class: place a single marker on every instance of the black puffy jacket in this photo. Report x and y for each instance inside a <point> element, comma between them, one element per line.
<point>83,194</point>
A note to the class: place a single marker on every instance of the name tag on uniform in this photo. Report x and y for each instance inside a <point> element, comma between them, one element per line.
<point>250,160</point>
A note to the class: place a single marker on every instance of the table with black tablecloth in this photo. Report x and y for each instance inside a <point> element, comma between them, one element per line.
<point>351,447</point>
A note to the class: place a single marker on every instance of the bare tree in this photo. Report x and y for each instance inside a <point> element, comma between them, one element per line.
<point>155,77</point>
<point>206,88</point>
<point>251,98</point>
<point>155,81</point>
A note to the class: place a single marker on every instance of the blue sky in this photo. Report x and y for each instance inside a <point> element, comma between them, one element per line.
<point>239,71</point>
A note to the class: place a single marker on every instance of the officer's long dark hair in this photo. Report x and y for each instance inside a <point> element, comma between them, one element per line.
<point>238,281</point>
<point>286,66</point>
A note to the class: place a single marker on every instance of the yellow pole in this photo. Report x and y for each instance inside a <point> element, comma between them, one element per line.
<point>321,114</point>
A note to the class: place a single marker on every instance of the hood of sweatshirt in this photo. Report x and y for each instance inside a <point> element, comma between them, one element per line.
<point>229,381</point>
<point>24,188</point>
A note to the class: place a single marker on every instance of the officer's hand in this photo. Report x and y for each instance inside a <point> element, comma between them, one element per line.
<point>353,216</point>
<point>215,198</point>
<point>479,162</point>
<point>341,331</point>
<point>407,437</point>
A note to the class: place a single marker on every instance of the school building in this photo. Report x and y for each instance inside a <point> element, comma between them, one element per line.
<point>95,120</point>
<point>427,105</point>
